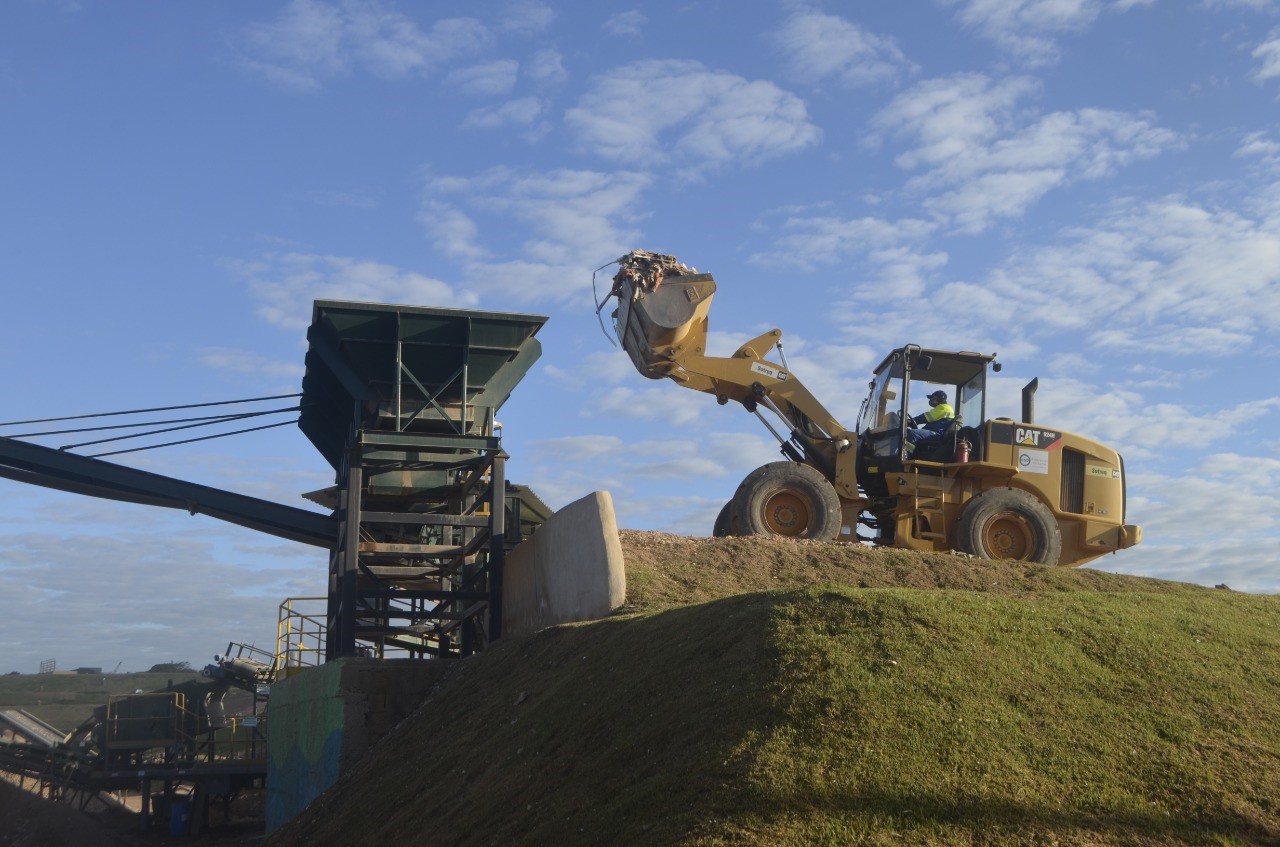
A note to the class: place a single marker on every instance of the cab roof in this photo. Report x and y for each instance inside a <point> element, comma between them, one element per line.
<point>948,367</point>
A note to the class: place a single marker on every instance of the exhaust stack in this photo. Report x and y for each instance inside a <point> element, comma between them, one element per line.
<point>1029,401</point>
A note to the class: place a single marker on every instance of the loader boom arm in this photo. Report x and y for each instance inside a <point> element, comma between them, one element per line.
<point>664,331</point>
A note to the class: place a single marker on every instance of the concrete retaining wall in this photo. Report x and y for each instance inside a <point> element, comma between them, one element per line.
<point>570,570</point>
<point>323,720</point>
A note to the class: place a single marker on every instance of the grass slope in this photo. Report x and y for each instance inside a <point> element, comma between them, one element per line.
<point>820,694</point>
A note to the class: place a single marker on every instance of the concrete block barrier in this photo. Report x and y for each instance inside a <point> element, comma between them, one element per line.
<point>570,570</point>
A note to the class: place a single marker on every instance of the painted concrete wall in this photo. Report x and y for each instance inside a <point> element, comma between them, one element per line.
<point>323,720</point>
<point>570,570</point>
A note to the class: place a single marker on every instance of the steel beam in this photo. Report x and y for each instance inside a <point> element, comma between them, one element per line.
<point>64,471</point>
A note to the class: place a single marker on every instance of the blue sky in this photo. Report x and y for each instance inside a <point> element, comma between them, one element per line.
<point>1090,188</point>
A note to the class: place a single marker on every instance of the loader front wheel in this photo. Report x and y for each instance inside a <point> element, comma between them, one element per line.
<point>1006,523</point>
<point>787,499</point>
<point>724,522</point>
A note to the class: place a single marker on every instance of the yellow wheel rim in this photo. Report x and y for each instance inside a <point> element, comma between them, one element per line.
<point>787,513</point>
<point>1008,535</point>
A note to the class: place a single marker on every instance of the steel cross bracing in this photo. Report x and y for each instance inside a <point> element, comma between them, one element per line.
<point>401,400</point>
<point>420,576</point>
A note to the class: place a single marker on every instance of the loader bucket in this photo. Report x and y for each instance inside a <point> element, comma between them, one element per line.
<point>654,326</point>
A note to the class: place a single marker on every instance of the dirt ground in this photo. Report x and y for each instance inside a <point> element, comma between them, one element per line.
<point>30,821</point>
<point>664,570</point>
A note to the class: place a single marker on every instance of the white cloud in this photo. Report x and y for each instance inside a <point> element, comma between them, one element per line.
<point>810,241</point>
<point>1257,145</point>
<point>1125,419</point>
<point>657,112</point>
<point>836,374</point>
<point>312,40</point>
<point>1026,28</point>
<point>527,17</point>
<point>357,199</point>
<point>605,367</point>
<point>576,447</point>
<point>524,111</point>
<point>676,463</point>
<point>1164,278</point>
<point>547,67</point>
<point>953,118</point>
<point>659,403</point>
<point>548,229</point>
<point>1268,55</point>
<point>985,160</point>
<point>1259,5</point>
<point>178,589</point>
<point>63,6</point>
<point>286,284</point>
<point>248,362</point>
<point>630,22</point>
<point>819,46</point>
<point>496,77</point>
<point>1169,277</point>
<point>453,232</point>
<point>1237,495</point>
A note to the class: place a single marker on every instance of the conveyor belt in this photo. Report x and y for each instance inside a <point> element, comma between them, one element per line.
<point>31,728</point>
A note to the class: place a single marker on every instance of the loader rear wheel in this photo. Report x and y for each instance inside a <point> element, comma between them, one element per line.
<point>1006,523</point>
<point>787,499</point>
<point>724,522</point>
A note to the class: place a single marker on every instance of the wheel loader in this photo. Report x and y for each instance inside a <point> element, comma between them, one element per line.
<point>989,486</point>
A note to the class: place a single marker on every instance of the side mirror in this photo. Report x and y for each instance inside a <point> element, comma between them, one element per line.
<point>997,367</point>
<point>923,363</point>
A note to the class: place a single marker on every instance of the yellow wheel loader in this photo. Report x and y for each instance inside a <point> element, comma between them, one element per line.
<point>988,486</point>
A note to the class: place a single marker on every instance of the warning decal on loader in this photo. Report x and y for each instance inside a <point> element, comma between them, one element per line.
<point>1033,461</point>
<point>769,371</point>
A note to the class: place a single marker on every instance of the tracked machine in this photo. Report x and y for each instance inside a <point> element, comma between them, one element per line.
<point>993,487</point>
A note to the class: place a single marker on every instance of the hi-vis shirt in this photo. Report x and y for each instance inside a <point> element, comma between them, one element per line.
<point>938,418</point>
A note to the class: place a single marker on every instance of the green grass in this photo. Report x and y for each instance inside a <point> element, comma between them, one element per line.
<point>986,704</point>
<point>956,718</point>
<point>66,700</point>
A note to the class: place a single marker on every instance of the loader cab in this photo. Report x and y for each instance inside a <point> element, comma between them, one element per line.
<point>902,382</point>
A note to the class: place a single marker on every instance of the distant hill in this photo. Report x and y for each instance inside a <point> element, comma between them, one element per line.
<point>757,692</point>
<point>67,700</point>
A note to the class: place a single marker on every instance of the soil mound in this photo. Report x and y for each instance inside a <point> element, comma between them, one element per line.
<point>672,570</point>
<point>764,693</point>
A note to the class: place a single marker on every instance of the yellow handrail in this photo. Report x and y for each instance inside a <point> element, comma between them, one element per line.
<point>300,636</point>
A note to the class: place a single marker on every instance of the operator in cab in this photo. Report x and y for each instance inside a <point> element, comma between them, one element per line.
<point>932,423</point>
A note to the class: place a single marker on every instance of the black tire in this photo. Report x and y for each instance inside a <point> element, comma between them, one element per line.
<point>1007,523</point>
<point>724,522</point>
<point>786,499</point>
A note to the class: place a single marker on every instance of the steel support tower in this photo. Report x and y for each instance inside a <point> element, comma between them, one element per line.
<point>401,401</point>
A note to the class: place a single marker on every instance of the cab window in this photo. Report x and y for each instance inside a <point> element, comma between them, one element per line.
<point>972,400</point>
<point>882,406</point>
